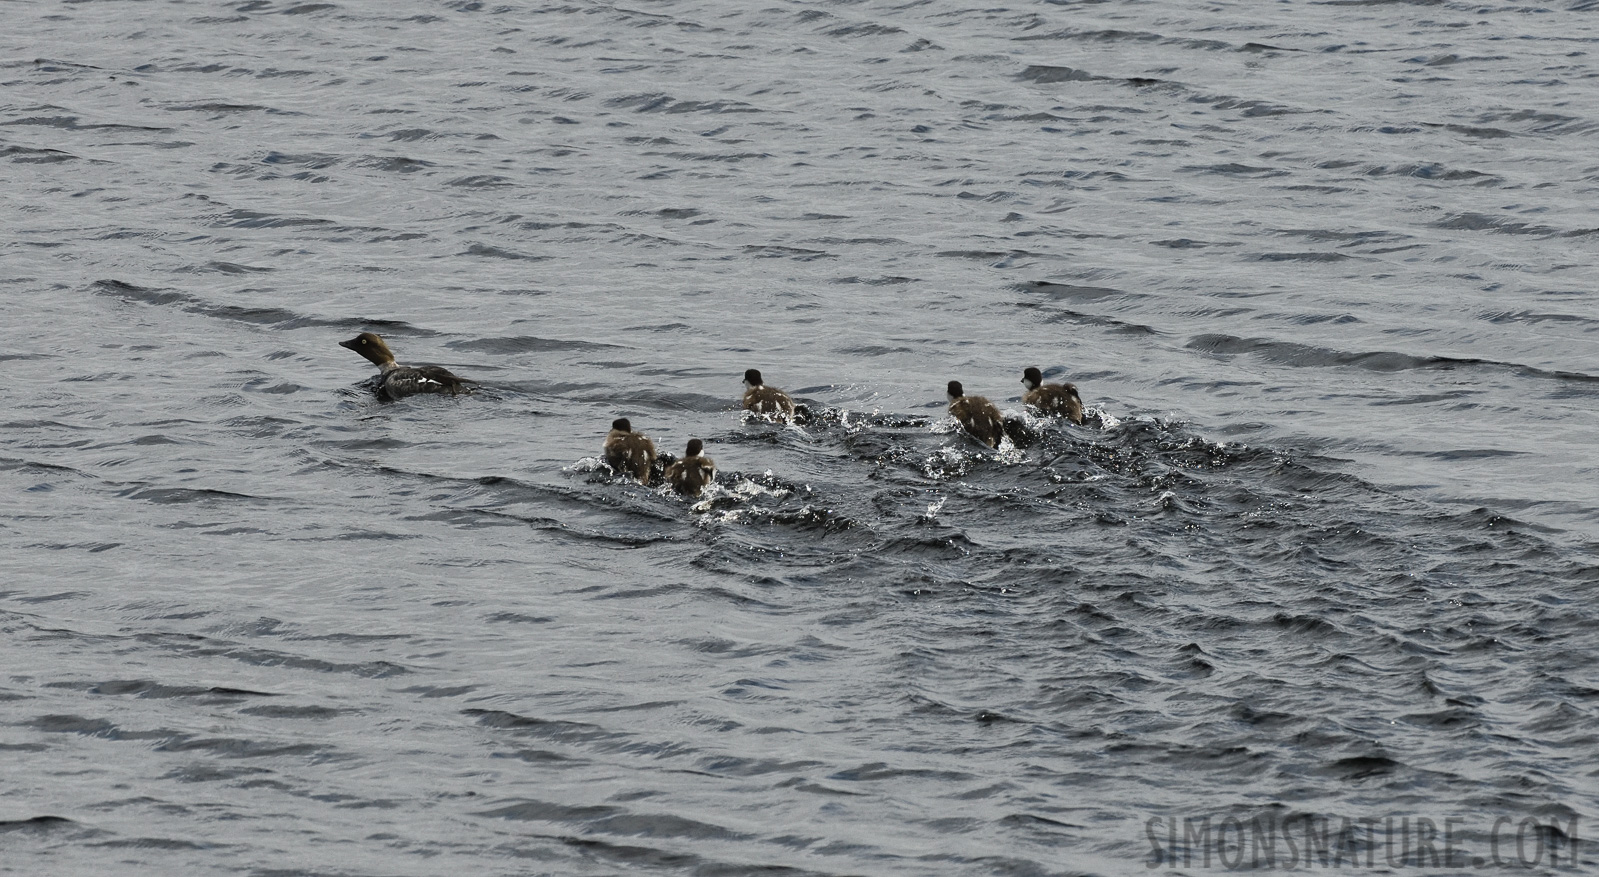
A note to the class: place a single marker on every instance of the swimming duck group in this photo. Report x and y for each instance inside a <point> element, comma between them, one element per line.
<point>633,453</point>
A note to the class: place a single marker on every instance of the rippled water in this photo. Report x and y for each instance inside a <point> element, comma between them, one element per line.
<point>1323,271</point>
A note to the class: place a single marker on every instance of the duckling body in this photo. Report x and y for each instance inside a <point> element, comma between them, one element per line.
<point>765,400</point>
<point>629,451</point>
<point>1058,399</point>
<point>689,475</point>
<point>977,415</point>
<point>397,381</point>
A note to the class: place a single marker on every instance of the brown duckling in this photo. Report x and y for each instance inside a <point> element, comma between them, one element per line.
<point>689,475</point>
<point>396,381</point>
<point>765,400</point>
<point>977,414</point>
<point>628,451</point>
<point>1061,399</point>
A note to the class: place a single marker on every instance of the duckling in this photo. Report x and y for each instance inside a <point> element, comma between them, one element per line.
<point>762,399</point>
<point>396,381</point>
<point>689,475</point>
<point>1059,399</point>
<point>977,414</point>
<point>629,451</point>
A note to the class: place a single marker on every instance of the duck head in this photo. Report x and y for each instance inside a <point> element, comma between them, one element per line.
<point>372,347</point>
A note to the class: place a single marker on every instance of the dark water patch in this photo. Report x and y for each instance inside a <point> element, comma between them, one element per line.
<point>871,350</point>
<point>499,253</point>
<point>738,766</point>
<point>1072,292</point>
<point>394,164</point>
<point>313,160</point>
<point>53,65</point>
<point>863,29</point>
<point>1252,109</point>
<point>1453,719</point>
<point>32,155</point>
<point>1301,257</point>
<point>1540,121</point>
<point>258,220</point>
<point>731,157</point>
<point>1450,59</point>
<point>796,253</point>
<point>154,843</point>
<point>876,771</point>
<point>556,730</point>
<point>481,181</point>
<point>1478,131</point>
<point>616,536</point>
<point>1307,319</point>
<point>877,281</point>
<point>316,713</point>
<point>70,123</point>
<point>546,225</point>
<point>233,747</point>
<point>517,618</point>
<point>1327,235</point>
<point>1422,398</point>
<point>1302,355</point>
<point>1362,767</point>
<point>1471,454</point>
<point>1044,74</point>
<point>1526,316</point>
<point>1431,172</point>
<point>261,385</point>
<point>278,318</point>
<point>658,102</point>
<point>1189,244</point>
<point>231,268</point>
<point>543,811</point>
<point>145,688</point>
<point>36,824</point>
<point>103,728</point>
<point>1378,2</point>
<point>1117,35</point>
<point>667,212</point>
<point>1235,169</point>
<point>16,464</point>
<point>210,772</point>
<point>308,9</point>
<point>90,547</point>
<point>1505,225</point>
<point>634,858</point>
<point>221,109</point>
<point>52,598</point>
<point>434,691</point>
<point>613,820</point>
<point>184,495</point>
<point>195,646</point>
<point>22,747</point>
<point>129,291</point>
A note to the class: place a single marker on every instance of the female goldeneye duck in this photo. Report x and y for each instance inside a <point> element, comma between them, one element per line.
<point>629,451</point>
<point>1059,399</point>
<point>762,399</point>
<point>395,380</point>
<point>977,414</point>
<point>689,475</point>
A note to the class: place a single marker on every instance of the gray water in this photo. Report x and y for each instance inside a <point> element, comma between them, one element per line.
<point>1322,271</point>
